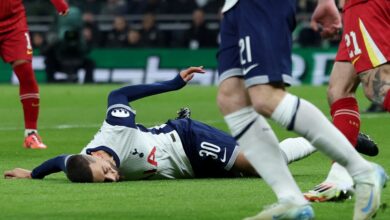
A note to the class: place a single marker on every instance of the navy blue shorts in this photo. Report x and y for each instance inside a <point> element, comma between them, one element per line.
<point>211,152</point>
<point>256,41</point>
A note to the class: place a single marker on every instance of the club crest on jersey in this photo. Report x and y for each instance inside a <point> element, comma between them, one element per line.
<point>120,113</point>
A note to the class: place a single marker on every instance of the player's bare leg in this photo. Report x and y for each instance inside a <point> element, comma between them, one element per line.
<point>376,85</point>
<point>29,96</point>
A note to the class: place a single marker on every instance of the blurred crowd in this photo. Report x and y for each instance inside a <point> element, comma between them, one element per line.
<point>156,23</point>
<point>67,41</point>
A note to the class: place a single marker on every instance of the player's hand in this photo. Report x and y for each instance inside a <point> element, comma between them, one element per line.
<point>326,19</point>
<point>61,6</point>
<point>189,73</point>
<point>17,173</point>
<point>64,13</point>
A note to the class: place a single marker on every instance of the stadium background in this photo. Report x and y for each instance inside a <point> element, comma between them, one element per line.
<point>124,35</point>
<point>72,113</point>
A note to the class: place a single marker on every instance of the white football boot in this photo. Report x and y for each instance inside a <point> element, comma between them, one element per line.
<point>338,186</point>
<point>368,189</point>
<point>285,210</point>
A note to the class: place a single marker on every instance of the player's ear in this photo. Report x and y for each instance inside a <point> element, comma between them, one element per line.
<point>97,154</point>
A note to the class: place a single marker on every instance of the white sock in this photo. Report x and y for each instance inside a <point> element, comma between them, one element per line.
<point>260,146</point>
<point>340,176</point>
<point>29,131</point>
<point>294,149</point>
<point>305,119</point>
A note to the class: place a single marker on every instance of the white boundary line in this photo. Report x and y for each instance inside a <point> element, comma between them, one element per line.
<point>150,124</point>
<point>72,126</point>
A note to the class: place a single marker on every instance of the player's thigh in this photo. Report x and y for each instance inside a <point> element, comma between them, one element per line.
<point>366,34</point>
<point>343,81</point>
<point>376,83</point>
<point>16,45</point>
<point>265,40</point>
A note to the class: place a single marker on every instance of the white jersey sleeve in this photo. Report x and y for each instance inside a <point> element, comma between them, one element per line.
<point>228,5</point>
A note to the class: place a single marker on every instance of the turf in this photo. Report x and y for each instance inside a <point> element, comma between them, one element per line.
<point>71,114</point>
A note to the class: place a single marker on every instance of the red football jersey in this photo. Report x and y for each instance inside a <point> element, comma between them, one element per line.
<point>365,41</point>
<point>12,15</point>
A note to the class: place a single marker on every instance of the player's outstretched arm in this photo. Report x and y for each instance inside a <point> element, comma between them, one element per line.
<point>48,167</point>
<point>131,93</point>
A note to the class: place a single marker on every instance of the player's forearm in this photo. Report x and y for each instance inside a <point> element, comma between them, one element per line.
<point>60,5</point>
<point>48,167</point>
<point>134,92</point>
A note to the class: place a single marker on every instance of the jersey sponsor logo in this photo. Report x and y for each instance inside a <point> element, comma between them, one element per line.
<point>246,70</point>
<point>120,113</point>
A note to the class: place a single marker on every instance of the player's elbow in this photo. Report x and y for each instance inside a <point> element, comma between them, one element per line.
<point>114,95</point>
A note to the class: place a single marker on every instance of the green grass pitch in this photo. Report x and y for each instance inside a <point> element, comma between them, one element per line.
<point>71,114</point>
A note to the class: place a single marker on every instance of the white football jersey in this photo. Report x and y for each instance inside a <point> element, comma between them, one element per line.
<point>141,153</point>
<point>228,5</point>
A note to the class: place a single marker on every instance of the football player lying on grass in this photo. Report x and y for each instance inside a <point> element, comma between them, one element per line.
<point>180,148</point>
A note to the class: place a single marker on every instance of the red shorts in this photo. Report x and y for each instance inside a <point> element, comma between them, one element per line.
<point>366,35</point>
<point>15,45</point>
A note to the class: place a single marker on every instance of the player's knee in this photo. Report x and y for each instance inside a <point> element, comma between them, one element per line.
<point>26,76</point>
<point>229,102</point>
<point>222,98</point>
<point>332,94</point>
<point>18,62</point>
<point>263,108</point>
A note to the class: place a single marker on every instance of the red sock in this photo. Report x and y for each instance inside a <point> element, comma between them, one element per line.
<point>386,103</point>
<point>29,94</point>
<point>346,118</point>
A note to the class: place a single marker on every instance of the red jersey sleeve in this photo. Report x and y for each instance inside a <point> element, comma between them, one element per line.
<point>60,5</point>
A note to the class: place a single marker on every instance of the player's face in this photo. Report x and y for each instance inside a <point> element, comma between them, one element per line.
<point>104,171</point>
